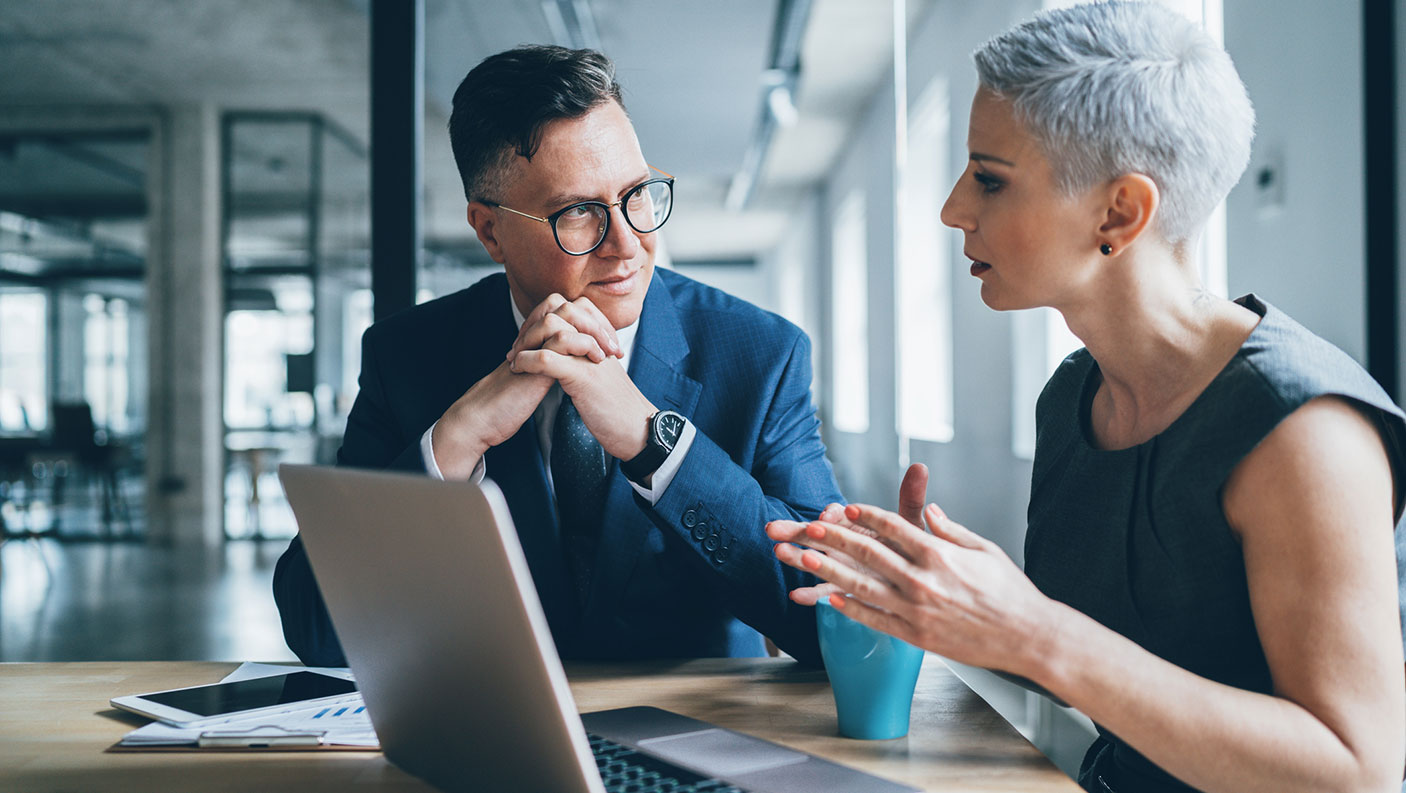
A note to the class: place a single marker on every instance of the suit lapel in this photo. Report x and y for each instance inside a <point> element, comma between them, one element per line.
<point>656,369</point>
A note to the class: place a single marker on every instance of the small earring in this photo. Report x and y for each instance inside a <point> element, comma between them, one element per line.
<point>1105,249</point>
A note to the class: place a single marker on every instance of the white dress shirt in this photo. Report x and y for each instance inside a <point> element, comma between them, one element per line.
<point>546,414</point>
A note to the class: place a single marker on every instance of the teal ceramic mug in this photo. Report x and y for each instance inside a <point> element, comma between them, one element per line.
<point>872,674</point>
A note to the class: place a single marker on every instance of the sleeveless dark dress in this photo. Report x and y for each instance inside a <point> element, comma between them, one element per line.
<point>1136,538</point>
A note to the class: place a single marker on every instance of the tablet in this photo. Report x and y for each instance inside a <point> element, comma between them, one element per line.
<point>198,706</point>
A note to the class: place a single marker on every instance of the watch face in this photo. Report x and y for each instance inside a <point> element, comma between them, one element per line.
<point>668,428</point>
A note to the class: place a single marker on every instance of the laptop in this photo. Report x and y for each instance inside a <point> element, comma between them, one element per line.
<point>431,596</point>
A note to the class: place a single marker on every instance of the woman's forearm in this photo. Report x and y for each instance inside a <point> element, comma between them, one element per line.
<point>1212,736</point>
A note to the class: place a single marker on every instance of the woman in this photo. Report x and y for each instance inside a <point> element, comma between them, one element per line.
<point>1211,575</point>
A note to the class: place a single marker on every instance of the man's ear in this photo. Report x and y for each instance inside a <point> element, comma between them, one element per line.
<point>484,220</point>
<point>1132,202</point>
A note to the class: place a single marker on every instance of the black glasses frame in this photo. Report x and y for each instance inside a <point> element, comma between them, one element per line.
<point>551,219</point>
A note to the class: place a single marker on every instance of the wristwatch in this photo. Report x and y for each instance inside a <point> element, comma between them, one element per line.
<point>665,427</point>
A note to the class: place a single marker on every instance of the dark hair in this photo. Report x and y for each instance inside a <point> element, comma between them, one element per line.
<point>503,103</point>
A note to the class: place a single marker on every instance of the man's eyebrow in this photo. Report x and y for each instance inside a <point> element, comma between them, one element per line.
<point>567,199</point>
<point>979,157</point>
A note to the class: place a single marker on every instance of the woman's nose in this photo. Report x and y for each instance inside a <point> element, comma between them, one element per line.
<point>954,211</point>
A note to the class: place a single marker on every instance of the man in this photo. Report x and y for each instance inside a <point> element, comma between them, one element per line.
<point>643,427</point>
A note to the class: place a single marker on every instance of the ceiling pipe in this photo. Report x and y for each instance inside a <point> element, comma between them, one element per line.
<point>778,88</point>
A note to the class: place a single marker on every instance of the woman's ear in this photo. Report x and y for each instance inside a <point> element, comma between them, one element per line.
<point>1133,201</point>
<point>484,220</point>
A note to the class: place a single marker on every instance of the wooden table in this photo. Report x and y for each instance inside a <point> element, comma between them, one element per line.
<point>55,728</point>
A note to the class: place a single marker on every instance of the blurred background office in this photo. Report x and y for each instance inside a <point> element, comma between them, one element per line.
<point>203,204</point>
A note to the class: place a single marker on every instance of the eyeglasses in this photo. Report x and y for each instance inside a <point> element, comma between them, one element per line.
<point>581,227</point>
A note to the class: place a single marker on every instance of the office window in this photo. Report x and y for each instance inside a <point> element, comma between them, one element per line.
<point>359,316</point>
<point>924,279</point>
<point>259,341</point>
<point>1212,249</point>
<point>24,393</point>
<point>297,220</point>
<point>1042,339</point>
<point>849,328</point>
<point>105,361</point>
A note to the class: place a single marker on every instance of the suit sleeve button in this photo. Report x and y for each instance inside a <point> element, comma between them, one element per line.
<point>690,518</point>
<point>721,554</point>
<point>700,531</point>
<point>712,543</point>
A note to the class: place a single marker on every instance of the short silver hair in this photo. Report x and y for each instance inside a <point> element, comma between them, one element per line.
<point>1120,87</point>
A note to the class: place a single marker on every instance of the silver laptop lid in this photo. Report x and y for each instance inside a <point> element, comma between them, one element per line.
<point>432,599</point>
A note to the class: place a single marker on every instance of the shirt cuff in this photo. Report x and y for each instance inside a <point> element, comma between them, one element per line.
<point>432,468</point>
<point>662,476</point>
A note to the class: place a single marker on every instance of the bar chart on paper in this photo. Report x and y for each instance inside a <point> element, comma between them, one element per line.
<point>345,724</point>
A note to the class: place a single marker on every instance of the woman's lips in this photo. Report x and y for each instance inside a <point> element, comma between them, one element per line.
<point>979,267</point>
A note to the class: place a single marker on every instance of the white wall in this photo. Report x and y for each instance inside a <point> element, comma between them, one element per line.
<point>794,269</point>
<point>1302,64</point>
<point>975,476</point>
<point>866,465</point>
<point>1301,249</point>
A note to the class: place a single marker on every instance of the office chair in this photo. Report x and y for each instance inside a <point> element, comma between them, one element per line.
<point>74,437</point>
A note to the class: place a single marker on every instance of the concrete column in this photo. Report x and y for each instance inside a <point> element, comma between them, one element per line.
<point>138,360</point>
<point>185,443</point>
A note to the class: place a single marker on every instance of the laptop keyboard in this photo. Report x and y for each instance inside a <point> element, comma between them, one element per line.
<point>625,770</point>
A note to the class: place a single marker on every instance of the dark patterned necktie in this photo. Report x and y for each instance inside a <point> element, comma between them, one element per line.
<point>579,478</point>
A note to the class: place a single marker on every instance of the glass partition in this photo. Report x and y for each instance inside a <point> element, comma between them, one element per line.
<point>73,308</point>
<point>297,225</point>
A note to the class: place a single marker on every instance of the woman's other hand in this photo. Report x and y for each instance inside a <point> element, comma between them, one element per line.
<point>911,495</point>
<point>788,531</point>
<point>950,591</point>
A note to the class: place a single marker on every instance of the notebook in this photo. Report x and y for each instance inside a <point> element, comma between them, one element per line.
<point>431,596</point>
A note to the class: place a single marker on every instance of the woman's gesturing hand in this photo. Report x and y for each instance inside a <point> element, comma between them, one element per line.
<point>911,495</point>
<point>952,592</point>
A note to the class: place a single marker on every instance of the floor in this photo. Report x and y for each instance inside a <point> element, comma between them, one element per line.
<point>79,506</point>
<point>127,601</point>
<point>77,581</point>
<point>72,502</point>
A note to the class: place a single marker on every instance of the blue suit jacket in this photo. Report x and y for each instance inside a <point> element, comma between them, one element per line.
<point>671,580</point>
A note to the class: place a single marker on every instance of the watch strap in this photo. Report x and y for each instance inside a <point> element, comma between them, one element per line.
<point>638,468</point>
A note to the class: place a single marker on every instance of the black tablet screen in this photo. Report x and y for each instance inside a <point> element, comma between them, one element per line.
<point>260,692</point>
